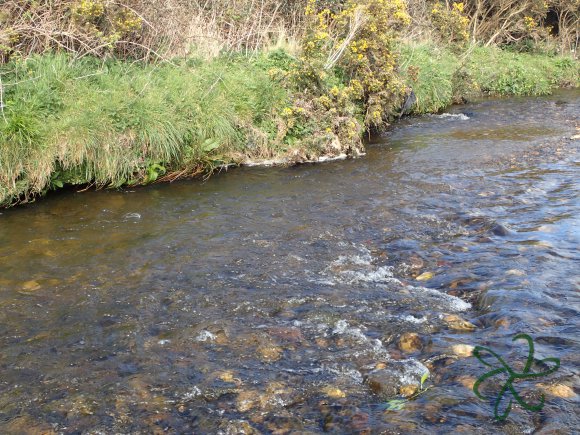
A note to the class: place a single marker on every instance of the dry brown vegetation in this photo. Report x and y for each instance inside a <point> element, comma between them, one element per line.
<point>500,22</point>
<point>146,28</point>
<point>164,29</point>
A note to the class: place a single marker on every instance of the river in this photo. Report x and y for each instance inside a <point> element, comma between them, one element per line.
<point>304,299</point>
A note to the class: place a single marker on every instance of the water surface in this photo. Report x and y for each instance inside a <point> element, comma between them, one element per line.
<point>266,298</point>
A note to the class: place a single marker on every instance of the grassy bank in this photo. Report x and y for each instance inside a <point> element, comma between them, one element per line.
<point>118,123</point>
<point>114,123</point>
<point>441,77</point>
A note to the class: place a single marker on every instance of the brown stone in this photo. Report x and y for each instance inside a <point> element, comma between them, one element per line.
<point>247,400</point>
<point>455,322</point>
<point>416,262</point>
<point>410,342</point>
<point>333,392</point>
<point>270,353</point>
<point>558,390</point>
<point>409,390</point>
<point>503,323</point>
<point>425,276</point>
<point>462,350</point>
<point>467,381</point>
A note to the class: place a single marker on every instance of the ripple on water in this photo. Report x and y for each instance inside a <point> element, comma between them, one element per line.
<point>280,300</point>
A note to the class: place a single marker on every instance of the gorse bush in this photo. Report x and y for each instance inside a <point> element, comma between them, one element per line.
<point>357,38</point>
<point>451,25</point>
<point>145,29</point>
<point>346,79</point>
<point>153,30</point>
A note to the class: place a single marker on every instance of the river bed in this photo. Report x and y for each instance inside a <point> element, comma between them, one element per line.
<point>304,299</point>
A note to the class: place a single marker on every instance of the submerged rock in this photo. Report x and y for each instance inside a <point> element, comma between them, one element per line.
<point>416,262</point>
<point>397,378</point>
<point>284,424</point>
<point>455,322</point>
<point>558,390</point>
<point>501,230</point>
<point>384,383</point>
<point>425,276</point>
<point>30,286</point>
<point>462,350</point>
<point>247,400</point>
<point>410,342</point>
<point>270,353</point>
<point>409,390</point>
<point>333,392</point>
<point>234,427</point>
<point>467,381</point>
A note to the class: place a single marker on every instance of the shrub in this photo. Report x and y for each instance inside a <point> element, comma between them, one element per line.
<point>451,24</point>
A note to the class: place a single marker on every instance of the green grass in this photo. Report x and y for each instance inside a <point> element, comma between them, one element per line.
<point>114,123</point>
<point>501,72</point>
<point>445,77</point>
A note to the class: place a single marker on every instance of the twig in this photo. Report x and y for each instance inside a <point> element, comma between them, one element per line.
<point>356,23</point>
<point>2,101</point>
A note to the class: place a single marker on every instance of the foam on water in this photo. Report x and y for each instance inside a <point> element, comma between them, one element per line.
<point>205,336</point>
<point>358,268</point>
<point>453,302</point>
<point>458,116</point>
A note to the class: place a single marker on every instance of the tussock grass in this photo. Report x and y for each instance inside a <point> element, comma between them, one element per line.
<point>114,123</point>
<point>440,77</point>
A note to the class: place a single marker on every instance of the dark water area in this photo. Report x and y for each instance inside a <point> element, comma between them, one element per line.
<point>303,299</point>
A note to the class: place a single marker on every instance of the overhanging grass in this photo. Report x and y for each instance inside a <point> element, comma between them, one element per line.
<point>116,123</point>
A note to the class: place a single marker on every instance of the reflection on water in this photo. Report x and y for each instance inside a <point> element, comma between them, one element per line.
<point>301,299</point>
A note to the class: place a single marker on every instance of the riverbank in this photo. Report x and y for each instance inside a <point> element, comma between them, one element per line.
<point>89,122</point>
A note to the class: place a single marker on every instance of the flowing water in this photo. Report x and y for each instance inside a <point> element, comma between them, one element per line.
<point>284,300</point>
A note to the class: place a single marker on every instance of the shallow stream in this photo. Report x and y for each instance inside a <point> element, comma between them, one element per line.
<point>304,299</point>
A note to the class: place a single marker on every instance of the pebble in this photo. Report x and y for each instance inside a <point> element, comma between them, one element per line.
<point>558,390</point>
<point>455,322</point>
<point>408,390</point>
<point>462,350</point>
<point>333,392</point>
<point>227,376</point>
<point>30,286</point>
<point>270,353</point>
<point>502,323</point>
<point>410,342</point>
<point>425,276</point>
<point>467,381</point>
<point>247,400</point>
<point>416,262</point>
